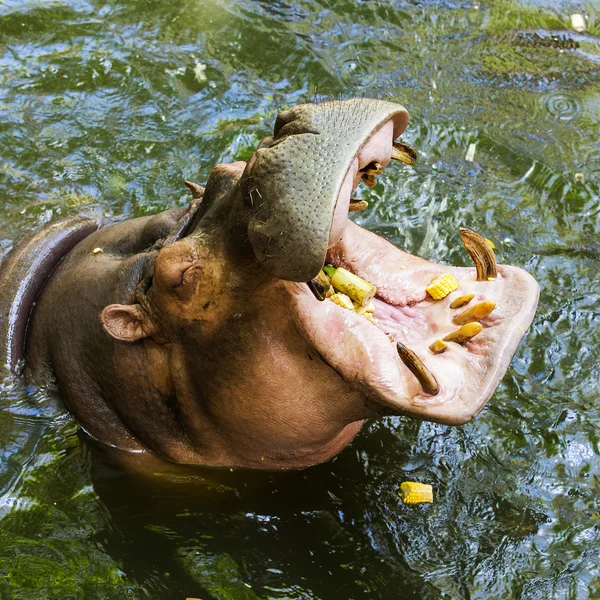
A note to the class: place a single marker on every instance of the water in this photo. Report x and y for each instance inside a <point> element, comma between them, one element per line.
<point>105,107</point>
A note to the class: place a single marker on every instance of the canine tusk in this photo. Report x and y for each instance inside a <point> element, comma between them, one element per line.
<point>418,369</point>
<point>404,153</point>
<point>481,252</point>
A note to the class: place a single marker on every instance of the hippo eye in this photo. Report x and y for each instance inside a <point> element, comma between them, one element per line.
<point>142,288</point>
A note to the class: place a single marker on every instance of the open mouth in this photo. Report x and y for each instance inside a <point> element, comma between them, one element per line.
<point>435,359</point>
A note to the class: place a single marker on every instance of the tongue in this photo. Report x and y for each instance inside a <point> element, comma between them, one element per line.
<point>364,356</point>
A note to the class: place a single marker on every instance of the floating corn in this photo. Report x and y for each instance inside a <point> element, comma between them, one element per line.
<point>462,300</point>
<point>352,285</point>
<point>413,492</point>
<point>441,286</point>
<point>464,334</point>
<point>438,346</point>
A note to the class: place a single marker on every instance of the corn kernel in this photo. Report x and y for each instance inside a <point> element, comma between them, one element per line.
<point>413,492</point>
<point>441,286</point>
<point>342,300</point>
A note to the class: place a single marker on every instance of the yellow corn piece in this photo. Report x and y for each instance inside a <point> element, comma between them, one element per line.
<point>412,492</point>
<point>342,300</point>
<point>441,286</point>
<point>361,310</point>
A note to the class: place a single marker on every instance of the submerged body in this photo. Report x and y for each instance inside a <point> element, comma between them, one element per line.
<point>193,334</point>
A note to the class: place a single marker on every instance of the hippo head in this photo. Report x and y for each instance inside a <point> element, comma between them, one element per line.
<point>264,371</point>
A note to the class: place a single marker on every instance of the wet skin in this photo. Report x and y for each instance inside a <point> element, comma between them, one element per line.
<point>194,335</point>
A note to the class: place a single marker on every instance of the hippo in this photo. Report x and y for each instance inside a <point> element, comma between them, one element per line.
<point>207,335</point>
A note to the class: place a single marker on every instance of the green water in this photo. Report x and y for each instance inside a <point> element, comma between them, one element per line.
<point>105,107</point>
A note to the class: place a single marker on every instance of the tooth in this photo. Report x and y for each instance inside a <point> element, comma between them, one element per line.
<point>481,252</point>
<point>404,153</point>
<point>418,369</point>
<point>357,204</point>
<point>475,313</point>
<point>373,168</point>
<point>462,301</point>
<point>319,286</point>
<point>464,334</point>
<point>369,180</point>
<point>438,346</point>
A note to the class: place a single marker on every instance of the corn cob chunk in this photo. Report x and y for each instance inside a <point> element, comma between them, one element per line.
<point>352,285</point>
<point>441,286</point>
<point>342,300</point>
<point>438,346</point>
<point>413,492</point>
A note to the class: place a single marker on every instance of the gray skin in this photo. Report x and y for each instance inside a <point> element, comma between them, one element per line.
<point>191,336</point>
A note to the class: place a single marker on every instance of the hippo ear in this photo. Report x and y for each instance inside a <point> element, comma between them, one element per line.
<point>127,322</point>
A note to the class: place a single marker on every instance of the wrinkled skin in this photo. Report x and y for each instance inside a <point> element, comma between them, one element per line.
<point>208,348</point>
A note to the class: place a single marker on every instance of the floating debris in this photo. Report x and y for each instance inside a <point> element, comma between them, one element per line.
<point>578,22</point>
<point>200,72</point>
<point>471,153</point>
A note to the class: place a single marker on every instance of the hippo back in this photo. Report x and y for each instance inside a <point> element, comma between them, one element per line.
<point>23,275</point>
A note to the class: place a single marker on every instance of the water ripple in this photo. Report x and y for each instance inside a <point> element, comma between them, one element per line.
<point>563,107</point>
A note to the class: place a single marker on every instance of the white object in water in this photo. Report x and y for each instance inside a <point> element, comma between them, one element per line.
<point>471,152</point>
<point>578,22</point>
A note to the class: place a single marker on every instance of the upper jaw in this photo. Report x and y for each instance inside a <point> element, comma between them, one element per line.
<point>296,180</point>
<point>366,358</point>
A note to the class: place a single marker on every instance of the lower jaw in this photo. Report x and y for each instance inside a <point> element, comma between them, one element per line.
<point>323,454</point>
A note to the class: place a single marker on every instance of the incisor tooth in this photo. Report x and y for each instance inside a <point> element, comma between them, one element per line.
<point>462,300</point>
<point>369,180</point>
<point>464,334</point>
<point>475,313</point>
<point>438,346</point>
<point>373,168</point>
<point>404,153</point>
<point>356,204</point>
